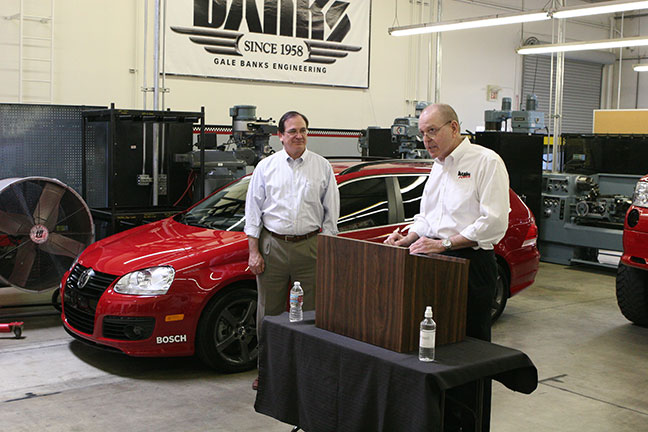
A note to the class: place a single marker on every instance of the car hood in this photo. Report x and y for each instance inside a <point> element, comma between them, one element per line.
<point>165,242</point>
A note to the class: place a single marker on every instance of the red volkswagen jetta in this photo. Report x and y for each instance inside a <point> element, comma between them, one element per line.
<point>181,286</point>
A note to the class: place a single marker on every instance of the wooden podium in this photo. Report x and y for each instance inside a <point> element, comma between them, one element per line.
<point>378,293</point>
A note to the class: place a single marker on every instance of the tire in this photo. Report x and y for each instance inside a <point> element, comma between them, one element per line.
<point>501,293</point>
<point>227,336</point>
<point>56,299</point>
<point>632,294</point>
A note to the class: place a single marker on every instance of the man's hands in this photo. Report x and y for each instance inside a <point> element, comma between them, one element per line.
<point>426,245</point>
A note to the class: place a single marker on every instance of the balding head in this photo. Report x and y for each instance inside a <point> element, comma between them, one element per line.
<point>439,125</point>
<point>445,112</point>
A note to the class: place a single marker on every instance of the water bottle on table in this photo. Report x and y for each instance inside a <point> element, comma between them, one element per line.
<point>296,303</point>
<point>427,337</point>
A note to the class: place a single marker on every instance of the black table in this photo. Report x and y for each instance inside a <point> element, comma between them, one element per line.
<point>325,382</point>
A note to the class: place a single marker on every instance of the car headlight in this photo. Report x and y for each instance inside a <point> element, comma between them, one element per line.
<point>150,281</point>
<point>640,197</point>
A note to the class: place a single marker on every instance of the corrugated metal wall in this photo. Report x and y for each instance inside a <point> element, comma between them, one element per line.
<point>581,90</point>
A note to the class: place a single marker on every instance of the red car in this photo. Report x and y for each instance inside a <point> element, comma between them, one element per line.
<point>181,285</point>
<point>632,273</point>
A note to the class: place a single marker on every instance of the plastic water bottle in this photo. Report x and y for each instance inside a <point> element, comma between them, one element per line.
<point>427,337</point>
<point>296,302</point>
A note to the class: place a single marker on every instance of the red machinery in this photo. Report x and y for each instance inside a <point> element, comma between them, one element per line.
<point>15,327</point>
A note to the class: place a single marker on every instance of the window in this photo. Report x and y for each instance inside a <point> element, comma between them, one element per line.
<point>411,188</point>
<point>363,204</point>
<point>225,210</point>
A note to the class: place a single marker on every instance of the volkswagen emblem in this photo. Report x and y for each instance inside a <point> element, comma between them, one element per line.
<point>85,277</point>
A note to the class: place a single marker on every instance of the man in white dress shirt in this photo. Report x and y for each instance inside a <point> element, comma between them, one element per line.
<point>292,196</point>
<point>464,209</point>
<point>464,213</point>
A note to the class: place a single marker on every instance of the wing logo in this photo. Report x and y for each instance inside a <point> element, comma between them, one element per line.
<point>217,28</point>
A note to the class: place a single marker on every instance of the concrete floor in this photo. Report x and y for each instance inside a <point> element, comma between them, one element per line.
<point>592,363</point>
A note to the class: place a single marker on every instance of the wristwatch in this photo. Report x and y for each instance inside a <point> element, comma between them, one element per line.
<point>446,243</point>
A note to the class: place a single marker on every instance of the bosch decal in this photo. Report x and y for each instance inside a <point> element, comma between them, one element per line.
<point>171,339</point>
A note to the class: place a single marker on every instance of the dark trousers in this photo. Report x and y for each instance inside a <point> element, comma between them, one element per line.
<point>482,280</point>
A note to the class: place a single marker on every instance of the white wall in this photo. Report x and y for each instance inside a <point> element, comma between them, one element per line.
<point>99,60</point>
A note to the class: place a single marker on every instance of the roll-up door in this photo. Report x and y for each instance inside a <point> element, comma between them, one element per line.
<point>581,90</point>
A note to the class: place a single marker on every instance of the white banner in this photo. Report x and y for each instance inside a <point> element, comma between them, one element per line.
<point>323,42</point>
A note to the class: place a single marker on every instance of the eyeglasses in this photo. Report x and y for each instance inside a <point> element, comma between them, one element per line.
<point>432,132</point>
<point>294,132</point>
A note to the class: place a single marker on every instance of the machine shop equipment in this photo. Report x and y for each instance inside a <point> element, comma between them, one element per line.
<point>250,135</point>
<point>584,207</point>
<point>15,327</point>
<point>495,119</point>
<point>248,144</point>
<point>583,214</point>
<point>129,174</point>
<point>376,142</point>
<point>528,120</point>
<point>404,135</point>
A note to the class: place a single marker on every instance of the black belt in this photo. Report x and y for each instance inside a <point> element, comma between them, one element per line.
<point>294,238</point>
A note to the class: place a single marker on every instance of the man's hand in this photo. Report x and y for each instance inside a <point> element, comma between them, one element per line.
<point>256,263</point>
<point>393,238</point>
<point>255,260</point>
<point>398,239</point>
<point>425,246</point>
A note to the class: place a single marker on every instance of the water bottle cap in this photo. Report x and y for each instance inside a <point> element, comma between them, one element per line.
<point>428,312</point>
<point>297,283</point>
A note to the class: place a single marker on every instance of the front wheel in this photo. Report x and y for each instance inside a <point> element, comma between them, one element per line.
<point>227,336</point>
<point>632,294</point>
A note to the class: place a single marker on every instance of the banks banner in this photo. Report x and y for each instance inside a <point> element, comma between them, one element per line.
<point>323,42</point>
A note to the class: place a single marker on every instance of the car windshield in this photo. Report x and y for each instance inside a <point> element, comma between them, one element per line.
<point>224,210</point>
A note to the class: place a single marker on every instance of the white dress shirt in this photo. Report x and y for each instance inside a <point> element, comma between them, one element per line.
<point>292,196</point>
<point>467,194</point>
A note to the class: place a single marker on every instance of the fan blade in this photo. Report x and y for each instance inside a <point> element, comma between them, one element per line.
<point>14,224</point>
<point>46,211</point>
<point>58,244</point>
<point>24,262</point>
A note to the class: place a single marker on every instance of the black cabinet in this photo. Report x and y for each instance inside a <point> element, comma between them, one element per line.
<point>522,155</point>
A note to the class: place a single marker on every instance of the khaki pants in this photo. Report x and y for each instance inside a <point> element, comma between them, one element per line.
<point>285,262</point>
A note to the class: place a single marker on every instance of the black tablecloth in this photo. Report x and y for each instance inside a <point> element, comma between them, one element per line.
<point>325,382</point>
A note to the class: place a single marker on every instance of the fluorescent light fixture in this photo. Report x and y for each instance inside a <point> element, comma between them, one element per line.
<point>583,46</point>
<point>601,8</point>
<point>489,21</point>
<point>538,15</point>
<point>640,67</point>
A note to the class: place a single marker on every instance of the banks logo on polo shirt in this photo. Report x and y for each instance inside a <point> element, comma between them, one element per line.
<point>463,174</point>
<point>217,28</point>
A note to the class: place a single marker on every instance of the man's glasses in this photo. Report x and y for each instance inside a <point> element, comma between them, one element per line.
<point>294,132</point>
<point>432,132</point>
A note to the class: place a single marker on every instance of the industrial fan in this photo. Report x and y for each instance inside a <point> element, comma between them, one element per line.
<point>44,226</point>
